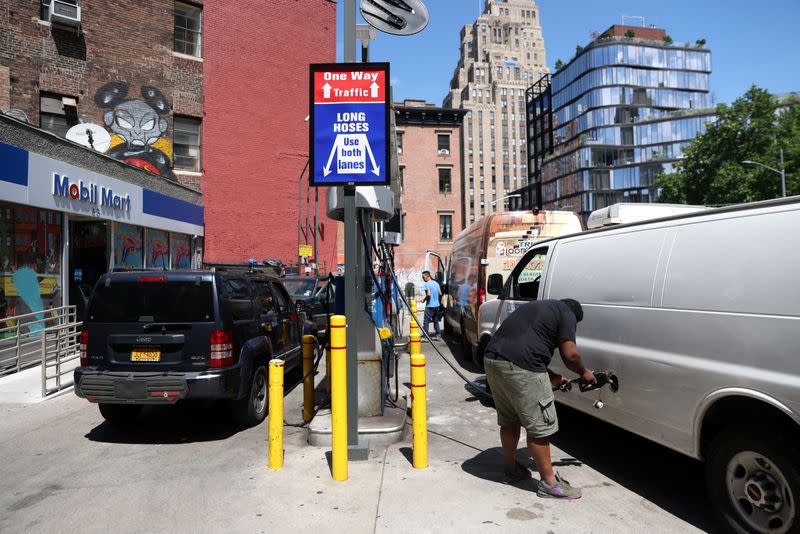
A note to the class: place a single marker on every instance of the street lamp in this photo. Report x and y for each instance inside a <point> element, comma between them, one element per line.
<point>513,195</point>
<point>782,172</point>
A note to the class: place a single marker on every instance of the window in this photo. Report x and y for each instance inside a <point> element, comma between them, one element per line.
<point>399,142</point>
<point>188,29</point>
<point>445,227</point>
<point>57,113</point>
<point>443,141</point>
<point>402,177</point>
<point>186,141</point>
<point>527,274</point>
<point>444,180</point>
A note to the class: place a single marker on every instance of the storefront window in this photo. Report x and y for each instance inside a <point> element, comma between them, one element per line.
<point>128,246</point>
<point>181,252</point>
<point>30,262</point>
<point>157,249</point>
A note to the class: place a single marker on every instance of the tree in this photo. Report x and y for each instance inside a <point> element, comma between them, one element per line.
<point>559,65</point>
<point>630,34</point>
<point>751,128</point>
<point>578,49</point>
<point>667,39</point>
<point>700,43</point>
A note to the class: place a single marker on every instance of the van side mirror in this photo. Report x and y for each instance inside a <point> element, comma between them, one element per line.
<point>494,286</point>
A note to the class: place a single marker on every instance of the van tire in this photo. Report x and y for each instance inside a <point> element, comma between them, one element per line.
<point>119,414</point>
<point>747,441</point>
<point>477,354</point>
<point>252,408</point>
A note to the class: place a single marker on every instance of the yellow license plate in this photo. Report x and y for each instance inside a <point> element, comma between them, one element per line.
<point>145,355</point>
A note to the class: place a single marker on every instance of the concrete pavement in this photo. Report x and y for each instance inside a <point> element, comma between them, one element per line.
<point>187,469</point>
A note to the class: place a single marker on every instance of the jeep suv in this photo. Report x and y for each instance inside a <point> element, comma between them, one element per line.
<point>158,337</point>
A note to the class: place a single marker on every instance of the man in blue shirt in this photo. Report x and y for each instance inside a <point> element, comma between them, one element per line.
<point>433,295</point>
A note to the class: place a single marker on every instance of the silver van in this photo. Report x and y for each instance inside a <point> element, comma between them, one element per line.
<point>699,317</point>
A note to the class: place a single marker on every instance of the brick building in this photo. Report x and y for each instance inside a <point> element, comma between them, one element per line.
<point>431,181</point>
<point>210,96</point>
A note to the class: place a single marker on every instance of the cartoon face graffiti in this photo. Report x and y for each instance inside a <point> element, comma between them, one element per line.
<point>137,126</point>
<point>136,123</point>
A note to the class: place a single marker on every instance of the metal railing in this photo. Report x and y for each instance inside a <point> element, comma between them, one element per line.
<point>21,342</point>
<point>60,347</point>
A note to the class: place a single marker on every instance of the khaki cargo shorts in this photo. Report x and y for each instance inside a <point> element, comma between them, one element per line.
<point>522,397</point>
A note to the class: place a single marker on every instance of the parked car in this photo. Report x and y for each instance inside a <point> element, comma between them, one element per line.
<point>699,317</point>
<point>315,295</point>
<point>492,244</point>
<point>156,338</point>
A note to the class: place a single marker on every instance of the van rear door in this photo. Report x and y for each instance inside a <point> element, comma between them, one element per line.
<point>150,323</point>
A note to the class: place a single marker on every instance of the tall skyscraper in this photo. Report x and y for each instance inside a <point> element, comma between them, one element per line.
<point>502,54</point>
<point>609,121</point>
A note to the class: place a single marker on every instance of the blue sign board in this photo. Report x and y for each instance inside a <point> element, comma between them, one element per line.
<point>349,135</point>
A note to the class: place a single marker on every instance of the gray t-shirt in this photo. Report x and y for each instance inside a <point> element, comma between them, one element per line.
<point>528,337</point>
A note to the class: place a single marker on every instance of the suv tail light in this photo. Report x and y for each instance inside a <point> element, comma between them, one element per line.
<point>221,349</point>
<point>83,345</point>
<point>481,296</point>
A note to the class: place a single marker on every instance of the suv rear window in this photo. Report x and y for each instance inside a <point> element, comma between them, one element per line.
<point>145,302</point>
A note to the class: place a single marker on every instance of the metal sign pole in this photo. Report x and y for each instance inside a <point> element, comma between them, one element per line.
<point>352,268</point>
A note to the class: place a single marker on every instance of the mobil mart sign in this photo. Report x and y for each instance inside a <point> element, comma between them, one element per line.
<point>349,134</point>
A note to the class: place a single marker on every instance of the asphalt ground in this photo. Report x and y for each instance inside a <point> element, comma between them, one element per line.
<point>186,468</point>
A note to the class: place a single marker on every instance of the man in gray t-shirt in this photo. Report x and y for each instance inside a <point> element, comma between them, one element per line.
<point>517,360</point>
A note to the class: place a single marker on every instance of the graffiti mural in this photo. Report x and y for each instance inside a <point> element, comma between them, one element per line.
<point>128,246</point>
<point>181,252</point>
<point>138,127</point>
<point>157,249</point>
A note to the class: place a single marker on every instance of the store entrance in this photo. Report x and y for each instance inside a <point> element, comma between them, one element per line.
<point>88,259</point>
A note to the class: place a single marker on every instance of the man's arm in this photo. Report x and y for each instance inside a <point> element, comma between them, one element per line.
<point>572,359</point>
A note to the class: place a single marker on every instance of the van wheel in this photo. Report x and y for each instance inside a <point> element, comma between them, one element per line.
<point>753,482</point>
<point>466,348</point>
<point>119,414</point>
<point>252,409</point>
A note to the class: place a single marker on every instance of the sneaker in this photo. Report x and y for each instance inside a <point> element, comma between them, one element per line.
<point>560,490</point>
<point>434,338</point>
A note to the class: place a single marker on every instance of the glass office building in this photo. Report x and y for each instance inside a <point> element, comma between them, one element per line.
<point>604,126</point>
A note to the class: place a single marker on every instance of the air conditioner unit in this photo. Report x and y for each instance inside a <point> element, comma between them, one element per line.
<point>444,151</point>
<point>65,13</point>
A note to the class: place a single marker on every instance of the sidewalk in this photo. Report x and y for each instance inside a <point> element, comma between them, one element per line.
<point>186,469</point>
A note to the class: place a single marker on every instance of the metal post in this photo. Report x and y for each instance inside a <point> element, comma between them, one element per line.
<point>339,406</point>
<point>419,411</point>
<point>351,280</point>
<point>309,342</point>
<point>349,31</point>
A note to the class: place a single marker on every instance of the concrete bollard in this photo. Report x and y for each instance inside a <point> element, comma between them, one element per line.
<point>276,414</point>
<point>419,411</point>
<point>309,342</point>
<point>339,397</point>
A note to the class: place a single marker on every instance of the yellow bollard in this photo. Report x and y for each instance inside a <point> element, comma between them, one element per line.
<point>414,344</point>
<point>309,342</point>
<point>276,414</point>
<point>418,411</point>
<point>339,397</point>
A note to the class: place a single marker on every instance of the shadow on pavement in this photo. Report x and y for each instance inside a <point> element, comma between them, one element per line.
<point>488,465</point>
<point>187,421</point>
<point>669,479</point>
<point>453,342</point>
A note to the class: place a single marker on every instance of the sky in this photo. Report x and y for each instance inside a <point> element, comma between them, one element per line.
<point>750,42</point>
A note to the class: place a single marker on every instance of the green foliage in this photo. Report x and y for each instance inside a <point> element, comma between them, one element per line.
<point>559,65</point>
<point>630,34</point>
<point>578,49</point>
<point>751,128</point>
<point>700,43</point>
<point>667,39</point>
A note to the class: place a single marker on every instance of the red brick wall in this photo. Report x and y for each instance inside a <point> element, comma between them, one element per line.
<point>422,202</point>
<point>255,140</point>
<point>651,34</point>
<point>129,42</point>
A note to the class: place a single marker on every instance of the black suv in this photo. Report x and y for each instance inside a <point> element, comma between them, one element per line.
<point>315,295</point>
<point>159,337</point>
